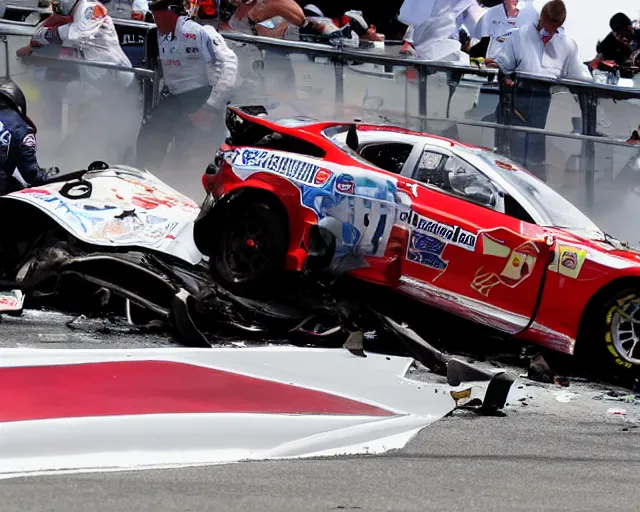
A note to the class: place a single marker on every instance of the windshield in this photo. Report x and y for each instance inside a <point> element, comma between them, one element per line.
<point>554,209</point>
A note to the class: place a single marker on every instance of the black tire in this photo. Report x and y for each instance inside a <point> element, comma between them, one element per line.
<point>249,248</point>
<point>606,324</point>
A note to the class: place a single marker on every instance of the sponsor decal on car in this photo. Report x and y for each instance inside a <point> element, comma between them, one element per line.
<point>321,177</point>
<point>568,261</point>
<point>454,235</point>
<point>292,168</point>
<point>426,250</point>
<point>571,261</point>
<point>518,266</point>
<point>345,184</point>
<point>189,36</point>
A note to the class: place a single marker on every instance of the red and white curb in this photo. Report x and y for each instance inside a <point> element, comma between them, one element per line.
<point>97,410</point>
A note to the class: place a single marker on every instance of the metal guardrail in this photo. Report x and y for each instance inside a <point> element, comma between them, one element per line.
<point>587,92</point>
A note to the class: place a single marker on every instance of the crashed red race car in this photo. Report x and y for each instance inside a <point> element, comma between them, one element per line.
<point>453,226</point>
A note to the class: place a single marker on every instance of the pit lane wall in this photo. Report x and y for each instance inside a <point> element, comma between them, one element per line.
<point>579,149</point>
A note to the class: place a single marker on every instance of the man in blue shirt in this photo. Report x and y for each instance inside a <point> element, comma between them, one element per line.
<point>17,141</point>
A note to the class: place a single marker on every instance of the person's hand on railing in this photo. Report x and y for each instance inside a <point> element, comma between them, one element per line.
<point>408,49</point>
<point>25,51</point>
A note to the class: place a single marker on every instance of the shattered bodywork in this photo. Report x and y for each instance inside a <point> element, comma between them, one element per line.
<point>118,241</point>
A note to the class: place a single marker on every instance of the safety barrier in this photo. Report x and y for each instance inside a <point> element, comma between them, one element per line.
<point>579,148</point>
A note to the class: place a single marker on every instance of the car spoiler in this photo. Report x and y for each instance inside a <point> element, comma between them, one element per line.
<point>247,124</point>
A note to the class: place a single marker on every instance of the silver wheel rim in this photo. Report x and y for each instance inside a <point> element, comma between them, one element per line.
<point>625,331</point>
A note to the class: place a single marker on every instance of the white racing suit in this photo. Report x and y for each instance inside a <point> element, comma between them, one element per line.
<point>434,26</point>
<point>107,101</point>
<point>198,68</point>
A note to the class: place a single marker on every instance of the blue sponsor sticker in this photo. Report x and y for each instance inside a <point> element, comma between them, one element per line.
<point>426,250</point>
<point>292,168</point>
<point>345,184</point>
<point>454,235</point>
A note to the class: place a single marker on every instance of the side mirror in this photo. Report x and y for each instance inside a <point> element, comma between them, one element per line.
<point>482,195</point>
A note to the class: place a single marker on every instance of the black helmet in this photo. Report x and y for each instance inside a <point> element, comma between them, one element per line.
<point>13,95</point>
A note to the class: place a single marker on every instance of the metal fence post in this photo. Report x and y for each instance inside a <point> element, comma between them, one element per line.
<point>589,109</point>
<point>505,116</point>
<point>423,73</point>
<point>338,66</point>
<point>4,40</point>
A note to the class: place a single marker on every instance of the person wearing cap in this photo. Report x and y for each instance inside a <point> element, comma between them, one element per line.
<point>18,141</point>
<point>199,72</point>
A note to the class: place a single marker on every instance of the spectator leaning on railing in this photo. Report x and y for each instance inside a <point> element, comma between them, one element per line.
<point>543,50</point>
<point>434,27</point>
<point>622,44</point>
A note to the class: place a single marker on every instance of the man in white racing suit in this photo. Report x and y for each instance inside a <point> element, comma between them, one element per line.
<point>199,72</point>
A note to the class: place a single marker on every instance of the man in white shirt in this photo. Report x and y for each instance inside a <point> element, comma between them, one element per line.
<point>434,27</point>
<point>501,21</point>
<point>542,49</point>
<point>199,72</point>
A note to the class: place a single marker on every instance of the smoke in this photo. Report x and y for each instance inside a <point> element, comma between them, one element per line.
<point>81,119</point>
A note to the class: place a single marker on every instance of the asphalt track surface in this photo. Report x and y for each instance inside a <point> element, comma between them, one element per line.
<point>545,455</point>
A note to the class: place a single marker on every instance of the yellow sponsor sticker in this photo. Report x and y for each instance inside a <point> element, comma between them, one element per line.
<point>570,261</point>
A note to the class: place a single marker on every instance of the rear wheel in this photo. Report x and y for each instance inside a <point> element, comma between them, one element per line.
<point>615,329</point>
<point>249,248</point>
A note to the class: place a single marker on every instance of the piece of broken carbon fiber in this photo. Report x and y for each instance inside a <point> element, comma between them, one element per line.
<point>456,370</point>
<point>182,324</point>
<point>355,344</point>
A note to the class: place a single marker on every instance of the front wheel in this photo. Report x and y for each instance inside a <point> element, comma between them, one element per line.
<point>249,248</point>
<point>615,327</point>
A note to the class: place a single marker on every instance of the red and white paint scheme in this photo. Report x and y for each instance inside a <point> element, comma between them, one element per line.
<point>105,410</point>
<point>120,207</point>
<point>459,227</point>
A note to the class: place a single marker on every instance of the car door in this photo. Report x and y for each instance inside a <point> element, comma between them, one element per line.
<point>463,254</point>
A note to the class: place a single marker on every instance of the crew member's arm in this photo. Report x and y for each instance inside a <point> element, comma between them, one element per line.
<point>27,163</point>
<point>574,68</point>
<point>221,63</point>
<point>288,9</point>
<point>83,27</point>
<point>222,71</point>
<point>48,32</point>
<point>508,59</point>
<point>471,19</point>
